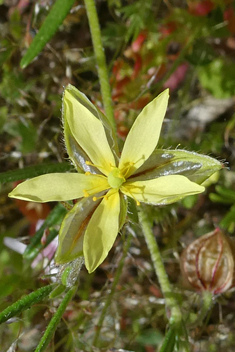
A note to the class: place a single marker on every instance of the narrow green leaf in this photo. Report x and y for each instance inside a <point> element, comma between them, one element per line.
<point>52,22</point>
<point>226,193</point>
<point>33,171</point>
<point>55,321</point>
<point>55,217</point>
<point>169,341</point>
<point>228,221</point>
<point>214,197</point>
<point>25,302</point>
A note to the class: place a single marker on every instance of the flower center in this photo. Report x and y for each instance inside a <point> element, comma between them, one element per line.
<point>115,178</point>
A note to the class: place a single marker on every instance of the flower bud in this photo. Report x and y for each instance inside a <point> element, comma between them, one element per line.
<point>207,264</point>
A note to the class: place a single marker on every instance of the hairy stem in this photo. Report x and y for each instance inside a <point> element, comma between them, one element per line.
<point>25,303</point>
<point>160,271</point>
<point>207,303</point>
<point>55,320</point>
<point>113,289</point>
<point>100,59</point>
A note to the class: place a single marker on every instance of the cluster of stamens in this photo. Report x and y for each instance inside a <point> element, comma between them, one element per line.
<point>115,180</point>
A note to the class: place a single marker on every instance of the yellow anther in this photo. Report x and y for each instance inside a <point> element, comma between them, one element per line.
<point>86,194</point>
<point>127,168</point>
<point>91,164</point>
<point>137,202</point>
<point>87,173</point>
<point>132,195</point>
<point>96,198</point>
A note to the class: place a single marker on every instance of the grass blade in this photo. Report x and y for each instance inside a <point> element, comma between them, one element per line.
<point>52,22</point>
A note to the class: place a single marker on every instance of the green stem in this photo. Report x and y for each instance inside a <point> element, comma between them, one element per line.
<point>100,59</point>
<point>169,341</point>
<point>55,321</point>
<point>25,303</point>
<point>207,301</point>
<point>113,289</point>
<point>171,303</point>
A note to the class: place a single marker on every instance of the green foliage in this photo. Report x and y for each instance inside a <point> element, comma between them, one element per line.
<point>52,22</point>
<point>201,53</point>
<point>169,342</point>
<point>138,14</point>
<point>55,217</point>
<point>218,78</point>
<point>149,337</point>
<point>226,196</point>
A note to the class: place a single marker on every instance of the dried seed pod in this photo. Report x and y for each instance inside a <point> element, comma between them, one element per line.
<point>207,264</point>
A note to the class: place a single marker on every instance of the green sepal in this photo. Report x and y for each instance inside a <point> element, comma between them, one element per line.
<point>73,229</point>
<point>196,167</point>
<point>132,211</point>
<point>123,210</point>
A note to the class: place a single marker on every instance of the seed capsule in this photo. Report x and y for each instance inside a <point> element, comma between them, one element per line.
<point>207,264</point>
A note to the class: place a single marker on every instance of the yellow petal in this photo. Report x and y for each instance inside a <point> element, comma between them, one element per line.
<point>162,190</point>
<point>59,187</point>
<point>87,129</point>
<point>73,229</point>
<point>144,134</point>
<point>102,231</point>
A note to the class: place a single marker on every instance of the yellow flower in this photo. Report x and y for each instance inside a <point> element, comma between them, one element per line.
<point>141,172</point>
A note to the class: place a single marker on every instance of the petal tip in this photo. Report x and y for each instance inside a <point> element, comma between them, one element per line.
<point>11,195</point>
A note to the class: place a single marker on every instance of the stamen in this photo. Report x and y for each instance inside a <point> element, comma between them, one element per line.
<point>86,194</point>
<point>96,198</point>
<point>97,166</point>
<point>88,173</point>
<point>137,202</point>
<point>129,165</point>
<point>127,168</point>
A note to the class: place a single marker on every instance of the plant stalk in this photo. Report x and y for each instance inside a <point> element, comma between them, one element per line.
<point>113,289</point>
<point>101,61</point>
<point>171,303</point>
<point>25,302</point>
<point>55,320</point>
